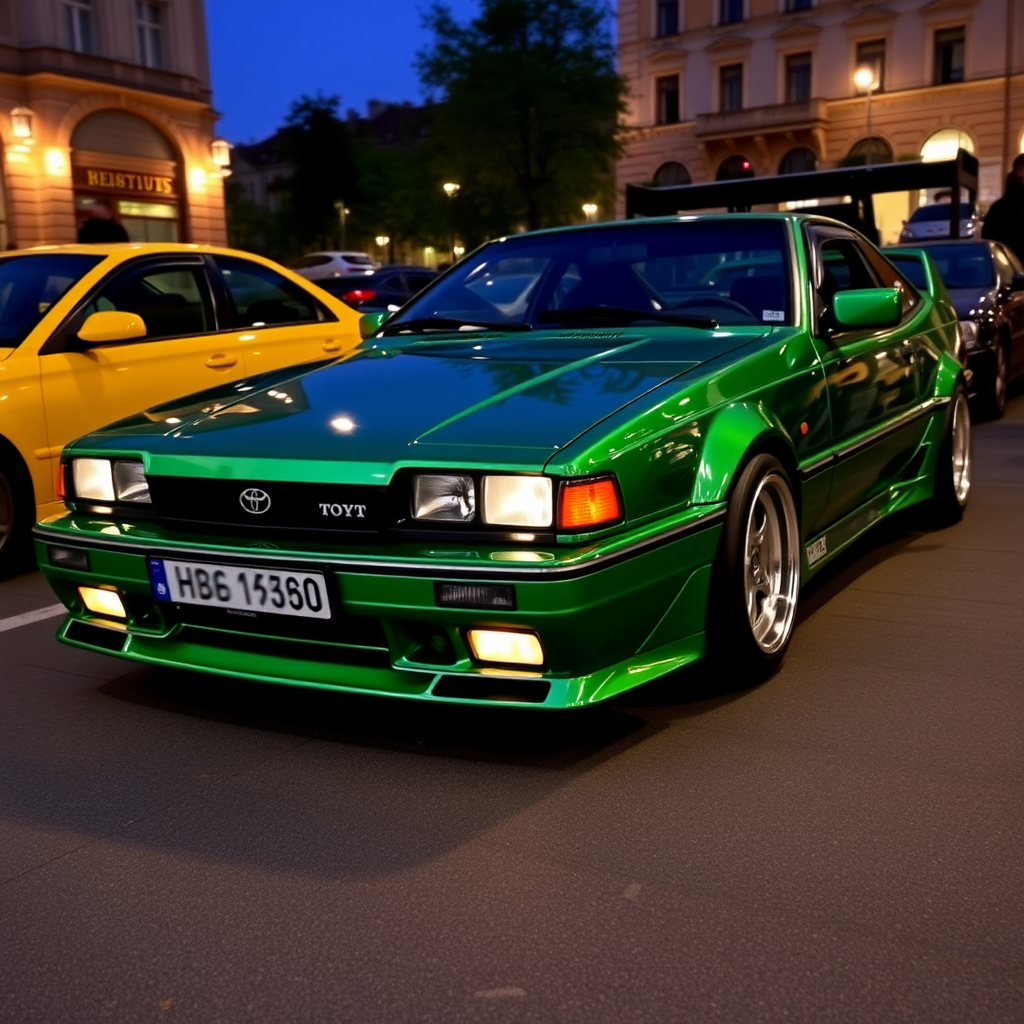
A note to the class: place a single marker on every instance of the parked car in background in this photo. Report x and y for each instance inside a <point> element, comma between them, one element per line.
<point>91,333</point>
<point>932,221</point>
<point>545,494</point>
<point>318,265</point>
<point>985,281</point>
<point>387,289</point>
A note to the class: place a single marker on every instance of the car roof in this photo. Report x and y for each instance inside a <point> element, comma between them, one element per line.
<point>131,249</point>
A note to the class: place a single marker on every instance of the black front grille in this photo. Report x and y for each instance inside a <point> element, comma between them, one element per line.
<point>269,505</point>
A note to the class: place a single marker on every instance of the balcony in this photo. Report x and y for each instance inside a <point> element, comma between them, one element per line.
<point>55,61</point>
<point>780,117</point>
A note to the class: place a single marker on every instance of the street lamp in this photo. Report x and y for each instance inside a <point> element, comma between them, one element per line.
<point>451,190</point>
<point>220,154</point>
<point>590,211</point>
<point>343,212</point>
<point>865,80</point>
<point>21,123</point>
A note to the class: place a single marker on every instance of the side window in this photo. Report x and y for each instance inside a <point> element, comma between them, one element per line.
<point>172,301</point>
<point>1004,267</point>
<point>841,267</point>
<point>262,297</point>
<point>890,277</point>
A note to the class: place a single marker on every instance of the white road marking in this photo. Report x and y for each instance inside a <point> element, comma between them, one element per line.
<point>51,611</point>
<point>500,993</point>
<point>632,891</point>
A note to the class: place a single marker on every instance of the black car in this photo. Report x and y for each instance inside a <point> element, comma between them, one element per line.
<point>985,281</point>
<point>379,291</point>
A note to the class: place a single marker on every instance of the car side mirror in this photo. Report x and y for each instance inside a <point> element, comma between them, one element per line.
<point>1017,284</point>
<point>867,307</point>
<point>112,326</point>
<point>371,323</point>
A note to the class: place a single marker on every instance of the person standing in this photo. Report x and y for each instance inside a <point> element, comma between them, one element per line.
<point>101,227</point>
<point>1004,221</point>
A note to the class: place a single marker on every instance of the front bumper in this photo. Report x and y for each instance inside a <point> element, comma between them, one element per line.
<point>609,617</point>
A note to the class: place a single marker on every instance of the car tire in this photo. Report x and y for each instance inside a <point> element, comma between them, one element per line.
<point>953,469</point>
<point>995,399</point>
<point>15,518</point>
<point>756,580</point>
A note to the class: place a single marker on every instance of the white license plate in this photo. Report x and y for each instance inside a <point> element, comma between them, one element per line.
<point>241,587</point>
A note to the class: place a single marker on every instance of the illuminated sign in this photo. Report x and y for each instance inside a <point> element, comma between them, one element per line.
<point>105,180</point>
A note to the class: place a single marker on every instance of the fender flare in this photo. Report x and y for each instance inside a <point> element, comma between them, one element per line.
<point>735,433</point>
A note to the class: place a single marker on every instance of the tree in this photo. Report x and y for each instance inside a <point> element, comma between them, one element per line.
<point>530,118</point>
<point>323,175</point>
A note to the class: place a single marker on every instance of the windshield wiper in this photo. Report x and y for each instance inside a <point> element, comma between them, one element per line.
<point>619,314</point>
<point>441,323</point>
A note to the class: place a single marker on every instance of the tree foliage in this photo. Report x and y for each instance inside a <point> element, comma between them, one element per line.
<point>531,103</point>
<point>323,170</point>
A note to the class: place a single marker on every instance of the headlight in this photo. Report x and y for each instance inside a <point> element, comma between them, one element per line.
<point>969,330</point>
<point>107,481</point>
<point>518,501</point>
<point>447,499</point>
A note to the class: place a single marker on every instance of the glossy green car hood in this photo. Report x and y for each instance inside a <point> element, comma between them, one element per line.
<point>513,400</point>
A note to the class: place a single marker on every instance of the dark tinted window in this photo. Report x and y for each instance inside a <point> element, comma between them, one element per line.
<point>938,211</point>
<point>912,269</point>
<point>964,266</point>
<point>30,285</point>
<point>262,297</point>
<point>172,301</point>
<point>311,261</point>
<point>733,270</point>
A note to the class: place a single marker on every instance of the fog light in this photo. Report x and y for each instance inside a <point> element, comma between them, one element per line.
<point>102,602</point>
<point>505,647</point>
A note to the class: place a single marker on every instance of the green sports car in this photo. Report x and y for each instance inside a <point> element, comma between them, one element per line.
<point>580,460</point>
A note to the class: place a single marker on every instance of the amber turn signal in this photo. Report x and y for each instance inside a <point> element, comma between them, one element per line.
<point>587,504</point>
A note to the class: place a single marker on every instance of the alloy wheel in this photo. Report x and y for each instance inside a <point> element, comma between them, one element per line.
<point>961,450</point>
<point>771,563</point>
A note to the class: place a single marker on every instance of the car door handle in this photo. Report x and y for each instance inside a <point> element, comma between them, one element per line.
<point>331,345</point>
<point>221,361</point>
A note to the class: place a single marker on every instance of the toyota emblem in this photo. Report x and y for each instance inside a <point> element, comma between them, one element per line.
<point>254,500</point>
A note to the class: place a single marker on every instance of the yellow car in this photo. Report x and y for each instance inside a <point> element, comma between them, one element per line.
<point>92,333</point>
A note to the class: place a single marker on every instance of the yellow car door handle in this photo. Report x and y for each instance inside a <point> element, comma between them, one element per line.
<point>221,361</point>
<point>331,346</point>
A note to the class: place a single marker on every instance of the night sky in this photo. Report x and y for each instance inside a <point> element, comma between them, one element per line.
<point>266,53</point>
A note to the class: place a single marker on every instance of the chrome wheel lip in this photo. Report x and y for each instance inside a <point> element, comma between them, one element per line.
<point>771,563</point>
<point>960,451</point>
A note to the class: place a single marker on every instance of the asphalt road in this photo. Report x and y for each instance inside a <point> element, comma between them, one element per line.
<point>841,844</point>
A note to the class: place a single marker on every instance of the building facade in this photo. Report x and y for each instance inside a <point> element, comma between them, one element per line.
<point>730,88</point>
<point>107,100</point>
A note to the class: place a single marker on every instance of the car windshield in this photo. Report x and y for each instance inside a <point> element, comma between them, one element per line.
<point>938,211</point>
<point>30,285</point>
<point>730,271</point>
<point>966,265</point>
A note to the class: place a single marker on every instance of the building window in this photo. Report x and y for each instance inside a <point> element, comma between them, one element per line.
<point>730,11</point>
<point>667,89</point>
<point>798,78</point>
<point>871,54</point>
<point>799,161</point>
<point>148,19</point>
<point>730,88</point>
<point>734,167</point>
<point>78,25</point>
<point>672,173</point>
<point>668,17</point>
<point>949,56</point>
<point>798,5</point>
